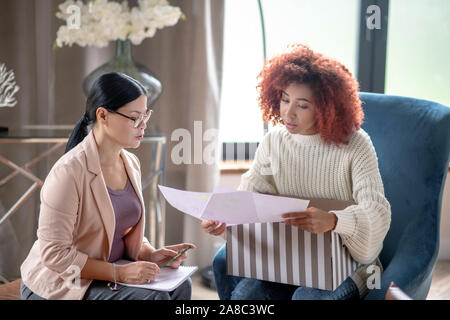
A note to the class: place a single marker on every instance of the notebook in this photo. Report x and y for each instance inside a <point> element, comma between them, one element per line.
<point>168,279</point>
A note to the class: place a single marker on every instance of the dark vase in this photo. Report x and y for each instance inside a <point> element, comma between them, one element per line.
<point>123,62</point>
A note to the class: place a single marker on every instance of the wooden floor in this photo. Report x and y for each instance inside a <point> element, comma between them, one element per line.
<point>200,291</point>
<point>439,290</point>
<point>440,285</point>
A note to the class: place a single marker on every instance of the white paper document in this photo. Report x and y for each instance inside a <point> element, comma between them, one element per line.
<point>231,206</point>
<point>168,279</point>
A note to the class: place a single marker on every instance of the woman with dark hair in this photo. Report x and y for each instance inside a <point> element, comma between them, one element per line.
<point>319,151</point>
<point>92,209</point>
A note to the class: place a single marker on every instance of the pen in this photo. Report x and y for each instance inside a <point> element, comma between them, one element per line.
<point>175,257</point>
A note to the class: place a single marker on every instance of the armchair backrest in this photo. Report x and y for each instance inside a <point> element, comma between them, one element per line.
<point>412,141</point>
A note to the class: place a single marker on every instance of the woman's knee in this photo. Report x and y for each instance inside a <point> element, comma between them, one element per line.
<point>160,295</point>
<point>346,291</point>
<point>253,289</point>
<point>306,293</point>
<point>249,289</point>
<point>183,292</point>
<point>27,294</point>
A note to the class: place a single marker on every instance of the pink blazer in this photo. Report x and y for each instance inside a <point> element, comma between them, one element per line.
<point>77,221</point>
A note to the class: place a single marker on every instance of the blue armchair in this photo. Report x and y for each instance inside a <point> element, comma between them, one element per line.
<point>412,141</point>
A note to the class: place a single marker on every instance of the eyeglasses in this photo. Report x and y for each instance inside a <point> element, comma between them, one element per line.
<point>137,121</point>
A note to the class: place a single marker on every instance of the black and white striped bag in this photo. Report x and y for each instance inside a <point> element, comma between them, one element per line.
<point>286,254</point>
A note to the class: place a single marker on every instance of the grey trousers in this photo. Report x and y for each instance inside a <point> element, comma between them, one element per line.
<point>99,290</point>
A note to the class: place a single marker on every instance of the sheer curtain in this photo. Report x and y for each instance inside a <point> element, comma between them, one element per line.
<point>187,58</point>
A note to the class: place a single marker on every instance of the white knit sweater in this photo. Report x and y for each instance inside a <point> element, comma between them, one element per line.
<point>305,166</point>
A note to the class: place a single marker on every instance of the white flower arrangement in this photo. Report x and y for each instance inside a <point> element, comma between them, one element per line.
<point>100,21</point>
<point>8,87</point>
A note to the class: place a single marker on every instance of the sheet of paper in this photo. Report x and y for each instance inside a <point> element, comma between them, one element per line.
<point>168,279</point>
<point>232,207</point>
<point>270,208</point>
<point>192,203</point>
<point>235,207</point>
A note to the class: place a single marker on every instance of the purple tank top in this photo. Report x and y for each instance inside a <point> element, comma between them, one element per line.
<point>127,211</point>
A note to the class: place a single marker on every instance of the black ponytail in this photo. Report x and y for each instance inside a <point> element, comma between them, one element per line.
<point>111,90</point>
<point>78,134</point>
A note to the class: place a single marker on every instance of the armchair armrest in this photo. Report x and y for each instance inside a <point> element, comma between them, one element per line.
<point>412,266</point>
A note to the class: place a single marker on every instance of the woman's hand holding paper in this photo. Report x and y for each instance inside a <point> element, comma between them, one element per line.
<point>312,220</point>
<point>214,227</point>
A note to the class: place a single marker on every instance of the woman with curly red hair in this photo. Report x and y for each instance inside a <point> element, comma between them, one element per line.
<point>319,151</point>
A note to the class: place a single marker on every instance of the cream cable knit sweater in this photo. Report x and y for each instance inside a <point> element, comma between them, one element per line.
<point>304,166</point>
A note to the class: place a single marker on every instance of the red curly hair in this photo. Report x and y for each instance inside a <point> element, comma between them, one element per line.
<point>335,91</point>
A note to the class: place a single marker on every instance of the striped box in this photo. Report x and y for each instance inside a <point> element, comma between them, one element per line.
<point>282,253</point>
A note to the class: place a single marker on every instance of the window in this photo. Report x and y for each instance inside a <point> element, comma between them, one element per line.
<point>418,47</point>
<point>240,117</point>
<point>327,26</point>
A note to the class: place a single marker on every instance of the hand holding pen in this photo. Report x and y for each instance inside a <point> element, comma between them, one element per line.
<point>175,257</point>
<point>171,256</point>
